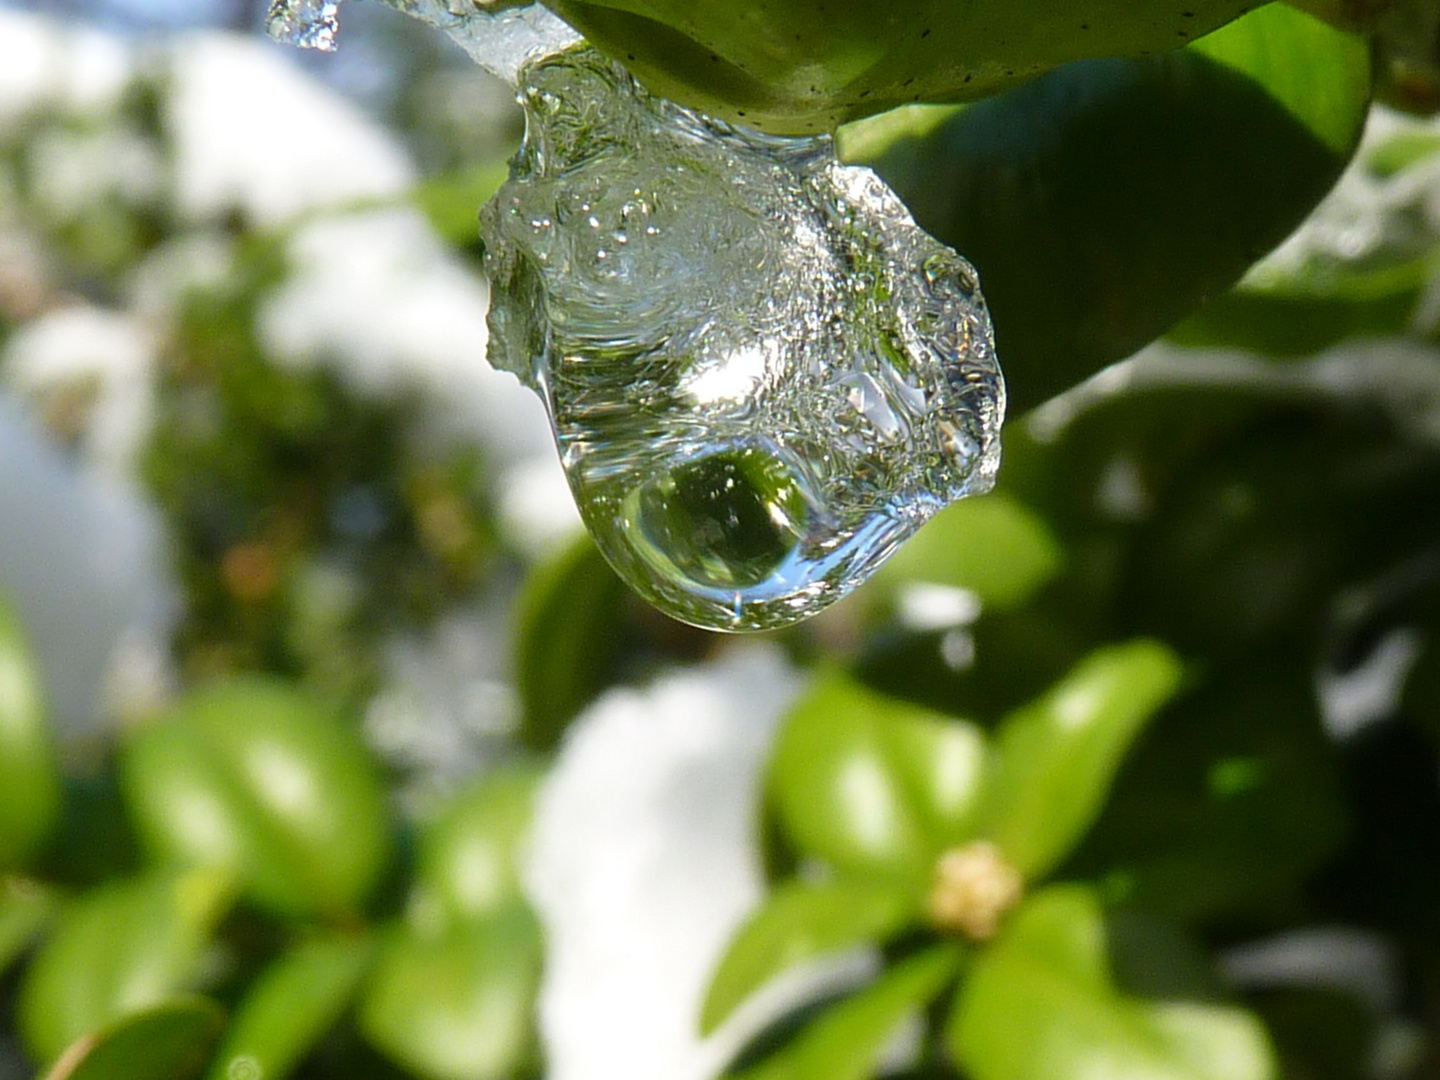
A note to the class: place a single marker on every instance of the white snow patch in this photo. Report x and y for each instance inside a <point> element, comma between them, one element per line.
<point>251,132</point>
<point>645,861</point>
<point>108,353</point>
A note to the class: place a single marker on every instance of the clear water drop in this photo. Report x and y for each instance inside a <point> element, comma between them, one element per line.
<point>762,375</point>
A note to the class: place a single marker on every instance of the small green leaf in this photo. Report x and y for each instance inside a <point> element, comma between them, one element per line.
<point>292,1004</point>
<point>469,855</point>
<point>992,545</point>
<point>168,1042</point>
<point>122,948</point>
<point>25,907</point>
<point>458,1006</point>
<point>800,922</point>
<point>567,639</point>
<point>873,785</point>
<point>29,777</point>
<point>1052,762</point>
<point>1039,1003</point>
<point>846,1042</point>
<point>255,776</point>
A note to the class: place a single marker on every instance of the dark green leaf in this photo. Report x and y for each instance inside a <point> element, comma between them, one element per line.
<point>846,1042</point>
<point>458,1006</point>
<point>254,775</point>
<point>800,922</point>
<point>1106,199</point>
<point>119,949</point>
<point>291,1005</point>
<point>873,785</point>
<point>1052,762</point>
<point>1039,1003</point>
<point>29,778</point>
<point>168,1042</point>
<point>1234,795</point>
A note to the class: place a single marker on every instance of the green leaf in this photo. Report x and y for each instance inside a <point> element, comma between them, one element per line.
<point>291,1005</point>
<point>1233,798</point>
<point>847,1042</point>
<point>1039,1003</point>
<point>458,1006</point>
<point>800,922</point>
<point>122,948</point>
<point>469,855</point>
<point>802,66</point>
<point>1052,762</point>
<point>567,639</point>
<point>873,785</point>
<point>254,775</point>
<point>168,1042</point>
<point>991,545</point>
<point>1107,199</point>
<point>25,907</point>
<point>29,777</point>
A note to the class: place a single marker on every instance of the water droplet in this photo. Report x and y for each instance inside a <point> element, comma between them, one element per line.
<point>766,388</point>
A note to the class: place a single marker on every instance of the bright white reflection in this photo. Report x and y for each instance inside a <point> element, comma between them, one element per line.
<point>732,377</point>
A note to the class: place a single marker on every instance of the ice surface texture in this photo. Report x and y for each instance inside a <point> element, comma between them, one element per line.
<point>763,376</point>
<point>500,35</point>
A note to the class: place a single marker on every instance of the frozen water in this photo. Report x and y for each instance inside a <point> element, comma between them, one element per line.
<point>762,375</point>
<point>306,24</point>
<point>500,35</point>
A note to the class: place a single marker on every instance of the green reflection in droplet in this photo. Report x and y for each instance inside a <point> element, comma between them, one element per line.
<point>727,520</point>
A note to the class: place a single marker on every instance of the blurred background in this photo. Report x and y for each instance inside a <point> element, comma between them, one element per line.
<point>322,707</point>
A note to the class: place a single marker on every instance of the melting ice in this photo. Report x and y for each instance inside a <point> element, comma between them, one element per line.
<point>762,375</point>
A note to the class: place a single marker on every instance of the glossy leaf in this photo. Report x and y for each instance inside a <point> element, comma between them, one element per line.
<point>1107,199</point>
<point>168,1042</point>
<point>122,948</point>
<point>847,1042</point>
<point>469,863</point>
<point>1039,1002</point>
<point>797,66</point>
<point>29,777</point>
<point>289,1007</point>
<point>800,922</point>
<point>457,1006</point>
<point>1052,762</point>
<point>567,639</point>
<point>993,546</point>
<point>256,776</point>
<point>873,785</point>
